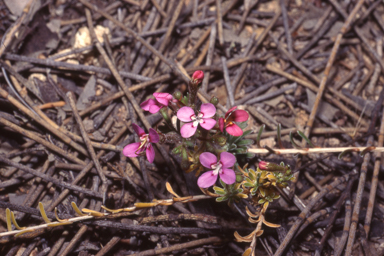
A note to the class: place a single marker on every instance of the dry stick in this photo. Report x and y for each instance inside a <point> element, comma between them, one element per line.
<point>87,142</point>
<point>247,8</point>
<point>115,73</point>
<point>347,224</point>
<point>260,39</point>
<point>37,118</point>
<point>70,66</point>
<point>159,9</point>
<point>375,175</point>
<point>167,35</point>
<point>45,143</point>
<point>59,242</point>
<point>300,219</point>
<point>12,31</point>
<point>360,34</point>
<point>315,150</point>
<point>85,170</point>
<point>141,40</point>
<point>359,197</point>
<point>227,80</point>
<point>50,179</point>
<point>363,176</point>
<point>312,87</point>
<point>332,218</point>
<point>208,62</point>
<point>108,246</point>
<point>74,240</point>
<point>331,59</point>
<point>206,34</point>
<point>178,247</point>
<point>40,117</point>
<point>288,36</point>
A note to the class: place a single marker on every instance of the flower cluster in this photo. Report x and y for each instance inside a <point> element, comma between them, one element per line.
<point>210,142</point>
<point>206,140</point>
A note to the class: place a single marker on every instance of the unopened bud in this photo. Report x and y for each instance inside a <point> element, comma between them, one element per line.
<point>272,167</point>
<point>177,95</point>
<point>214,100</point>
<point>197,77</point>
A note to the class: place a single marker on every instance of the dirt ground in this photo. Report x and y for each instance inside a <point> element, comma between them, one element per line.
<point>74,73</point>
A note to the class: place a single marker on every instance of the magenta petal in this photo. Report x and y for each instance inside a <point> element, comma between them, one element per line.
<point>228,176</point>
<point>147,104</point>
<point>130,149</point>
<point>221,124</point>
<point>153,136</point>
<point>138,130</point>
<point>229,111</point>
<point>240,116</point>
<point>227,159</point>
<point>234,130</point>
<point>154,109</point>
<point>150,153</point>
<point>208,123</point>
<point>207,159</point>
<point>163,97</point>
<point>184,114</point>
<point>187,130</point>
<point>208,109</point>
<point>207,179</point>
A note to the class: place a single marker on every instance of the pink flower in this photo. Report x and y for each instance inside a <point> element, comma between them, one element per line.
<point>197,77</point>
<point>153,106</point>
<point>263,165</point>
<point>188,116</point>
<point>228,121</point>
<point>209,160</point>
<point>137,148</point>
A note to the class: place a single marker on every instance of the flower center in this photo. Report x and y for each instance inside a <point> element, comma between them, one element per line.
<point>144,141</point>
<point>216,168</point>
<point>197,119</point>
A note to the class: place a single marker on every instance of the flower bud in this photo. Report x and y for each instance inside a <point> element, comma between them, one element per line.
<point>263,165</point>
<point>214,100</point>
<point>272,167</point>
<point>197,77</point>
<point>177,95</point>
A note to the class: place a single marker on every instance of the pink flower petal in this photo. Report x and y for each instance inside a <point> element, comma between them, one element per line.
<point>228,176</point>
<point>229,111</point>
<point>208,123</point>
<point>198,76</point>
<point>208,109</point>
<point>234,130</point>
<point>184,114</point>
<point>147,104</point>
<point>227,159</point>
<point>207,179</point>
<point>221,124</point>
<point>239,116</point>
<point>163,97</point>
<point>150,153</point>
<point>207,159</point>
<point>154,109</point>
<point>153,136</point>
<point>138,130</point>
<point>187,130</point>
<point>130,149</point>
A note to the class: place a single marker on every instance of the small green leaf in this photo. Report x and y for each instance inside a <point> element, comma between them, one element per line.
<point>302,135</point>
<point>259,135</point>
<point>245,142</point>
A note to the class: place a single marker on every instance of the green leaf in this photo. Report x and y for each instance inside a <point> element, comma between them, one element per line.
<point>245,142</point>
<point>302,135</point>
<point>259,135</point>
